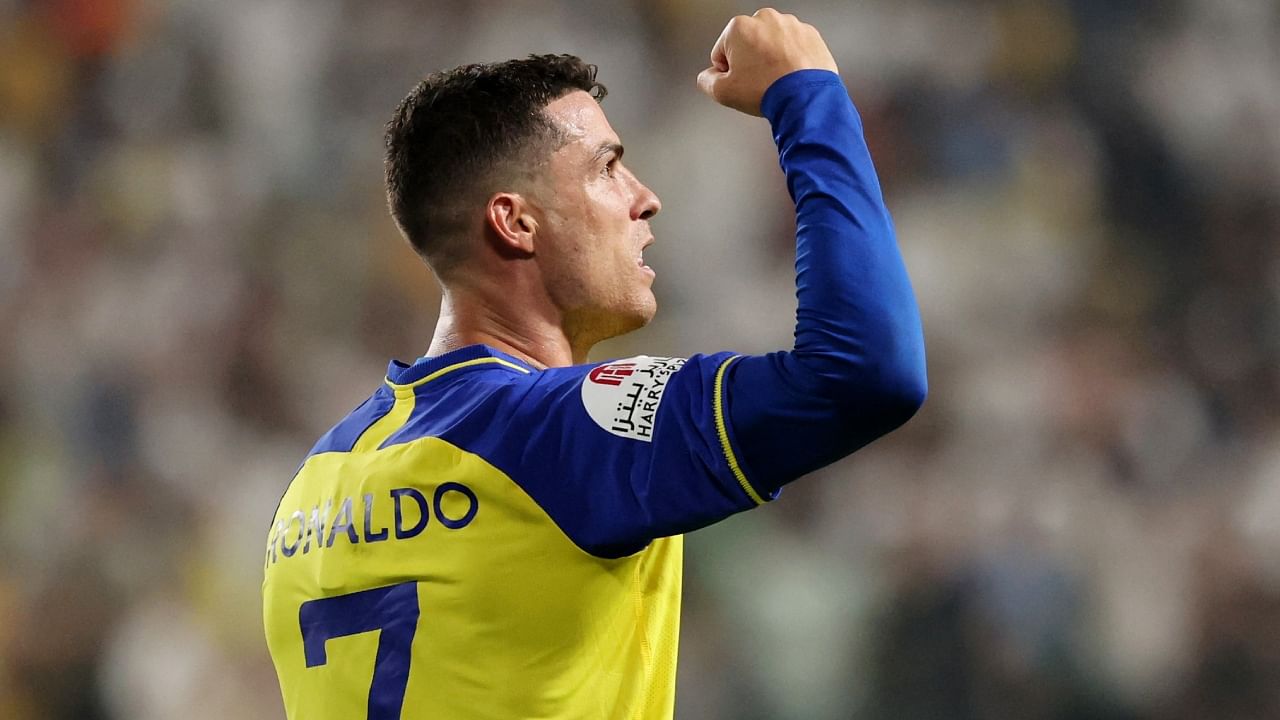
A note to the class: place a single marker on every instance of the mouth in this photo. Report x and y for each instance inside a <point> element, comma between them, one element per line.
<point>640,256</point>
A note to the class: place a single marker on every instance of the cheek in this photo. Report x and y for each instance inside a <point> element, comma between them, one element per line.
<point>590,227</point>
<point>608,204</point>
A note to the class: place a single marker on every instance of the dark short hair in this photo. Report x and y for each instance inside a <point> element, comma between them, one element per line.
<point>462,132</point>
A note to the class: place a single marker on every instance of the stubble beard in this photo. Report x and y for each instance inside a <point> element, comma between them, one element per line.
<point>611,319</point>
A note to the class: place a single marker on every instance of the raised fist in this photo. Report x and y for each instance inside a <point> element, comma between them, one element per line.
<point>754,51</point>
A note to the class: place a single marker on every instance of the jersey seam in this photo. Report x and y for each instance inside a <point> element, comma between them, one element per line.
<point>374,436</point>
<point>723,432</point>
<point>646,651</point>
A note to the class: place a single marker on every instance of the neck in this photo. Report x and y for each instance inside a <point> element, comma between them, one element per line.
<point>532,332</point>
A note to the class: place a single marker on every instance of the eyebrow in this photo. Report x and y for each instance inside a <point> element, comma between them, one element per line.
<point>609,147</point>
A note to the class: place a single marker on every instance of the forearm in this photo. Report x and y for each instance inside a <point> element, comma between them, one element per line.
<point>857,370</point>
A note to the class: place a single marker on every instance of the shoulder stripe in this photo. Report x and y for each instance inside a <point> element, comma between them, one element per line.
<point>718,401</point>
<point>377,433</point>
<point>456,366</point>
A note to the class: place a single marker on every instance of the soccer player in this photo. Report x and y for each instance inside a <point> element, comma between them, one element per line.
<point>496,531</point>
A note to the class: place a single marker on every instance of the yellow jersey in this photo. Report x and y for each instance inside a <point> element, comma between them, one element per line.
<point>481,539</point>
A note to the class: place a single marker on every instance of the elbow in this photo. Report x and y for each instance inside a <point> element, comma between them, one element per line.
<point>900,374</point>
<point>902,396</point>
<point>885,393</point>
<point>885,405</point>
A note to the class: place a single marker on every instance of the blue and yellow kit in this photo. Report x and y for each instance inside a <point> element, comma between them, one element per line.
<point>484,539</point>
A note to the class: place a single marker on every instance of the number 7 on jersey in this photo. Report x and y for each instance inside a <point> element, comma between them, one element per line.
<point>394,611</point>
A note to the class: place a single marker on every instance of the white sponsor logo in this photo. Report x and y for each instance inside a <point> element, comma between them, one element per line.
<point>623,396</point>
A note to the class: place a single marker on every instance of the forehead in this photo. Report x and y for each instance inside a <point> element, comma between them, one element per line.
<point>580,118</point>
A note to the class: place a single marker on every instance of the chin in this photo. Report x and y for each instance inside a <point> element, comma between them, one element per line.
<point>646,310</point>
<point>633,317</point>
<point>622,315</point>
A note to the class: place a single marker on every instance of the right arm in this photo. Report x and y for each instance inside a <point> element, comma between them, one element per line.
<point>857,368</point>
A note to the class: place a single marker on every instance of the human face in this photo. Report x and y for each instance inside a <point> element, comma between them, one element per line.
<point>593,227</point>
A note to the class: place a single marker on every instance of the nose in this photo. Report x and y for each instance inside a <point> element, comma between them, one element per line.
<point>646,203</point>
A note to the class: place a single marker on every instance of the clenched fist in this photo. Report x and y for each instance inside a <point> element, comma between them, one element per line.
<point>754,51</point>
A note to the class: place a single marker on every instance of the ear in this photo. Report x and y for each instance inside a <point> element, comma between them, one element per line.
<point>510,218</point>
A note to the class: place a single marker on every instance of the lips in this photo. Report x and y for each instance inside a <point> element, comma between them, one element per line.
<point>640,257</point>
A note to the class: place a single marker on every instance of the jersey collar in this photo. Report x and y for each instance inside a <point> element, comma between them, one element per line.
<point>399,373</point>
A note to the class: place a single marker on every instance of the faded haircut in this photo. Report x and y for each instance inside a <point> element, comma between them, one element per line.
<point>465,133</point>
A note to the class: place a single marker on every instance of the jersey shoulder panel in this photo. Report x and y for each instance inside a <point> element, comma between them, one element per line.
<point>617,453</point>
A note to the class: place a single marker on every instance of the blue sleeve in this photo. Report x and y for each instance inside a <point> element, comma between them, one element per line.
<point>857,370</point>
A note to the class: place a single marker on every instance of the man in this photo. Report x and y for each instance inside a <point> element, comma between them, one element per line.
<point>496,532</point>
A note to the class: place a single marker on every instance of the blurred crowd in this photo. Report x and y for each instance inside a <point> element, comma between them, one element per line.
<point>198,276</point>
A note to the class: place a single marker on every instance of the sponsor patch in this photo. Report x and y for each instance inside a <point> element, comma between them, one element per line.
<point>623,396</point>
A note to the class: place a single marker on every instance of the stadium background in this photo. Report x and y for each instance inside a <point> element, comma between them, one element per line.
<point>198,275</point>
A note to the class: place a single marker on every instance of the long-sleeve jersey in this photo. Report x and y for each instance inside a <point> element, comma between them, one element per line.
<point>484,539</point>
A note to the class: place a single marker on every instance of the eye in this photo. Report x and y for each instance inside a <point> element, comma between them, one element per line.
<point>608,168</point>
